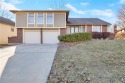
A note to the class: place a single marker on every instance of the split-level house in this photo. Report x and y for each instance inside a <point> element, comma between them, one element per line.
<point>7,29</point>
<point>44,26</point>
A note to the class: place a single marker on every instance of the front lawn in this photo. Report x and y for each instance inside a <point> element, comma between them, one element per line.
<point>3,45</point>
<point>96,61</point>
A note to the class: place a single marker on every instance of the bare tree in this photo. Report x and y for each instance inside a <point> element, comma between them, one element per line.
<point>57,4</point>
<point>4,12</point>
<point>121,17</point>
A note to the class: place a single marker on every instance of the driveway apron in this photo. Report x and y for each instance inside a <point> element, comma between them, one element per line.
<point>30,64</point>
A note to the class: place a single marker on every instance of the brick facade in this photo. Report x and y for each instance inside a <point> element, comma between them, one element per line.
<point>89,28</point>
<point>104,28</point>
<point>19,38</point>
<point>62,31</point>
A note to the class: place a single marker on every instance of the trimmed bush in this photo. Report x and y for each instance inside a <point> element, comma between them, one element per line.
<point>99,35</point>
<point>75,37</point>
<point>96,35</point>
<point>105,35</point>
<point>112,36</point>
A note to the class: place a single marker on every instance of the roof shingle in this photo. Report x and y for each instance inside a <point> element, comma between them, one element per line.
<point>86,21</point>
<point>6,21</point>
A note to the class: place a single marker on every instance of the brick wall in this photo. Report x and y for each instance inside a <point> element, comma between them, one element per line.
<point>62,31</point>
<point>104,28</point>
<point>19,38</point>
<point>89,28</point>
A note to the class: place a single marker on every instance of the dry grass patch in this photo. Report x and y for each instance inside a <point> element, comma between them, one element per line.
<point>97,61</point>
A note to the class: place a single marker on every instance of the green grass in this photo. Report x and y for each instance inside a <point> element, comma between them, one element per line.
<point>96,61</point>
<point>2,45</point>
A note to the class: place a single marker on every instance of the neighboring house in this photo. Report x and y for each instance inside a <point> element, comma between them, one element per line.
<point>44,26</point>
<point>7,29</point>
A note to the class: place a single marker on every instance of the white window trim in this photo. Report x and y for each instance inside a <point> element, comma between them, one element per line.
<point>52,17</point>
<point>43,18</point>
<point>27,20</point>
<point>33,20</point>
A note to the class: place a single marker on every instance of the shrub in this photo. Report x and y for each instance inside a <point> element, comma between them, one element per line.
<point>105,35</point>
<point>111,36</point>
<point>75,37</point>
<point>99,35</point>
<point>96,35</point>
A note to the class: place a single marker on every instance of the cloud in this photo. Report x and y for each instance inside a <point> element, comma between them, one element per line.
<point>50,9</point>
<point>8,6</point>
<point>112,4</point>
<point>84,3</point>
<point>95,12</point>
<point>74,9</point>
<point>122,1</point>
<point>107,12</point>
<point>16,1</point>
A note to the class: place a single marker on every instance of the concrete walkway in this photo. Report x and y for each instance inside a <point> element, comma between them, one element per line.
<point>30,64</point>
<point>5,54</point>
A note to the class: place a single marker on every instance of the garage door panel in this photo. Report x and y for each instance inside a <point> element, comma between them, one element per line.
<point>32,37</point>
<point>50,36</point>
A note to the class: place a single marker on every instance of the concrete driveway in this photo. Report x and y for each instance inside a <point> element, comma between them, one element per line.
<point>30,64</point>
<point>5,53</point>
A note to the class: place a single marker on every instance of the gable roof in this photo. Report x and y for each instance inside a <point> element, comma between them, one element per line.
<point>6,21</point>
<point>86,21</point>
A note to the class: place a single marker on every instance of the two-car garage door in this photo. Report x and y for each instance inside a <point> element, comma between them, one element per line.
<point>41,36</point>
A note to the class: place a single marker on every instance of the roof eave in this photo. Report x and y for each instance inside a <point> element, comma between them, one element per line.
<point>88,24</point>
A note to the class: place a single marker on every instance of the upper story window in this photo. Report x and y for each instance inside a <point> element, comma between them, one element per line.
<point>40,19</point>
<point>49,18</point>
<point>31,18</point>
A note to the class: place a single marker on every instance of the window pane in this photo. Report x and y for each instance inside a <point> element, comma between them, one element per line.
<point>68,30</point>
<point>40,19</point>
<point>76,29</point>
<point>96,29</point>
<point>72,29</point>
<point>49,18</point>
<point>79,29</point>
<point>82,29</point>
<point>12,29</point>
<point>31,18</point>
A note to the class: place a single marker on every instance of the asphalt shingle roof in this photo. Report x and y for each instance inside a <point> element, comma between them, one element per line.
<point>6,21</point>
<point>86,21</point>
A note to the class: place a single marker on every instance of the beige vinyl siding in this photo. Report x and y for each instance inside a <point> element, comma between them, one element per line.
<point>59,20</point>
<point>31,25</point>
<point>49,25</point>
<point>21,20</point>
<point>40,25</point>
<point>32,29</point>
<point>5,32</point>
